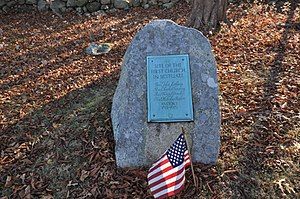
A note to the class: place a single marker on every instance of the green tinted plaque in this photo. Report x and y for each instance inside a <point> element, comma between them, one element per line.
<point>169,90</point>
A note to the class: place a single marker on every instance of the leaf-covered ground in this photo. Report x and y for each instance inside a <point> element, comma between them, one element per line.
<point>56,139</point>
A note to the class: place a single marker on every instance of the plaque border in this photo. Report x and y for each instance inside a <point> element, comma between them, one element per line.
<point>190,94</point>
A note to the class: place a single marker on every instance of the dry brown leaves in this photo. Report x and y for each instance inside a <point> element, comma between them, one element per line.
<point>56,139</point>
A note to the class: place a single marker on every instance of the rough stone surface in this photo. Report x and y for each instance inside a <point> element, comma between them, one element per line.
<point>121,4</point>
<point>139,143</point>
<point>93,6</point>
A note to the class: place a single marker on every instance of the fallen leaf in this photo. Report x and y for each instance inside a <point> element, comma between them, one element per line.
<point>84,175</point>
<point>8,181</point>
<point>47,197</point>
<point>25,193</point>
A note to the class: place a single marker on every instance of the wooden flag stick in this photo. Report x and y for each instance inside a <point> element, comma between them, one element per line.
<point>188,148</point>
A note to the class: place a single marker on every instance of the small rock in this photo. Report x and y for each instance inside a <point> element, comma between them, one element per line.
<point>84,9</point>
<point>99,13</point>
<point>168,5</point>
<point>153,2</point>
<point>121,4</point>
<point>135,3</point>
<point>112,10</point>
<point>105,2</point>
<point>80,2</point>
<point>63,9</point>
<point>58,7</point>
<point>95,49</point>
<point>93,7</point>
<point>2,3</point>
<point>31,2</point>
<point>11,3</point>
<point>71,3</point>
<point>104,7</point>
<point>5,9</point>
<point>42,5</point>
<point>79,10</point>
<point>69,9</point>
<point>21,2</point>
<point>146,6</point>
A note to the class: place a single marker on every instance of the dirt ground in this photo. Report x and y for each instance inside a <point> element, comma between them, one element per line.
<point>56,139</point>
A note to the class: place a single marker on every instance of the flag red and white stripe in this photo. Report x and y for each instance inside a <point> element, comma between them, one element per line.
<point>167,176</point>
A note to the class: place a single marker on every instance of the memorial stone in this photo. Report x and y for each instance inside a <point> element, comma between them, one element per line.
<point>140,139</point>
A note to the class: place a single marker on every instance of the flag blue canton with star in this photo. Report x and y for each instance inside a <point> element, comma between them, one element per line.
<point>176,152</point>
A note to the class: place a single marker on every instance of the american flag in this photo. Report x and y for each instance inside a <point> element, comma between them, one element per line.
<point>166,177</point>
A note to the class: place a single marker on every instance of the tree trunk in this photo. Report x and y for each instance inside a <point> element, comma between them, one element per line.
<point>206,15</point>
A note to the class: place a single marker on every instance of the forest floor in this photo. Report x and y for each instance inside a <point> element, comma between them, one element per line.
<point>56,139</point>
